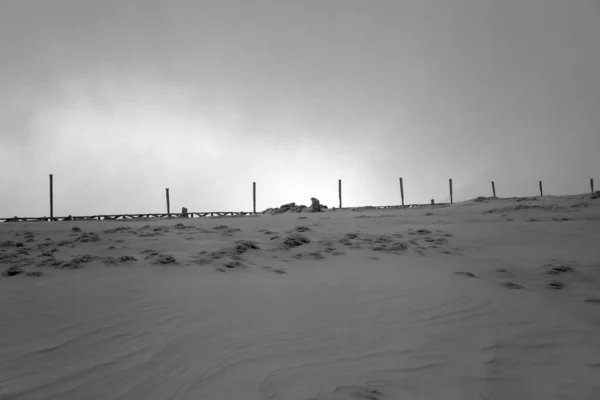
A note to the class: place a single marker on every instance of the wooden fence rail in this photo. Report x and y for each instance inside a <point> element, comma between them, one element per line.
<point>107,217</point>
<point>111,217</point>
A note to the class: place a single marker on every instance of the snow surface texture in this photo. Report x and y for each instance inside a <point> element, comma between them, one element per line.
<point>486,299</point>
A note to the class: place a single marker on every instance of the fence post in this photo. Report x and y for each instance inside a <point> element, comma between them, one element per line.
<point>592,184</point>
<point>494,189</point>
<point>541,189</point>
<point>51,198</point>
<point>340,191</point>
<point>451,198</point>
<point>254,197</point>
<point>168,203</point>
<point>402,191</point>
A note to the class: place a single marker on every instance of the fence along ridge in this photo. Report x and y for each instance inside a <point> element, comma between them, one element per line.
<point>169,214</point>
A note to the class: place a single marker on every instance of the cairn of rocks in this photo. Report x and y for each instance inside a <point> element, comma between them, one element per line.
<point>316,205</point>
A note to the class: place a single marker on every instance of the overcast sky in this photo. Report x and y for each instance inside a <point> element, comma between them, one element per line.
<point>122,99</point>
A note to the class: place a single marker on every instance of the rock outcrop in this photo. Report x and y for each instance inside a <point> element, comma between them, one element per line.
<point>315,206</point>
